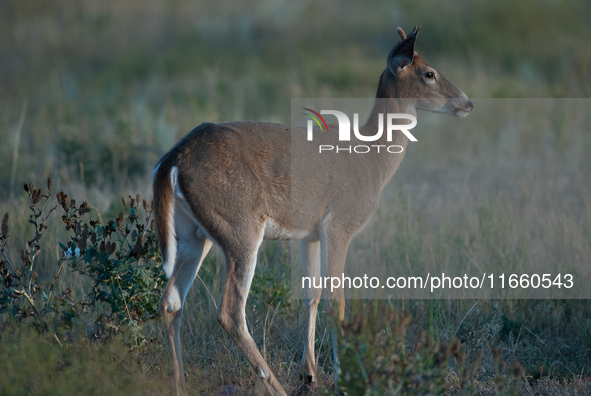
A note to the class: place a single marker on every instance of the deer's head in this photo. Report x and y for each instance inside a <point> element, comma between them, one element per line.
<point>407,75</point>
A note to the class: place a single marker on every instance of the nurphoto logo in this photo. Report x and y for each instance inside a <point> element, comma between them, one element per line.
<point>345,131</point>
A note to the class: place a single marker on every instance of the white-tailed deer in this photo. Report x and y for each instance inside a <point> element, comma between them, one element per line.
<point>232,184</point>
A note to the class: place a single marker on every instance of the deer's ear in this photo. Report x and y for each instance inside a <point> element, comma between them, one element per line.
<point>402,54</point>
<point>401,34</point>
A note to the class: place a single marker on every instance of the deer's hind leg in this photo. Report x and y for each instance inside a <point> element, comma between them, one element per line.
<point>191,248</point>
<point>240,251</point>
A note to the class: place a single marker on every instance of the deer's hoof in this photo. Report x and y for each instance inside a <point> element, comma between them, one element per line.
<point>309,379</point>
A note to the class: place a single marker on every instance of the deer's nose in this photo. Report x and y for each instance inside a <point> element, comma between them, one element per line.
<point>470,104</point>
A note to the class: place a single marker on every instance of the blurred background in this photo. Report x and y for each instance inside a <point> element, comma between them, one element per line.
<point>105,88</point>
<point>94,93</point>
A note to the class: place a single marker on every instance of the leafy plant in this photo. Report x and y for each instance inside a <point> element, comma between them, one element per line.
<point>120,259</point>
<point>20,289</point>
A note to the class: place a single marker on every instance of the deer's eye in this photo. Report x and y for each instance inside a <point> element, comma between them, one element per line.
<point>429,75</point>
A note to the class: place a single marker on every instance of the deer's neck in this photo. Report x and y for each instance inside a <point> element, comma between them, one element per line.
<point>387,163</point>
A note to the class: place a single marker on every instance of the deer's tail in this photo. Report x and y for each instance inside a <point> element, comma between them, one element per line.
<point>164,182</point>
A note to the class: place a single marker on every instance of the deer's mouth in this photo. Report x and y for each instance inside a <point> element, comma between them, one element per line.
<point>464,110</point>
<point>460,113</point>
<point>457,107</point>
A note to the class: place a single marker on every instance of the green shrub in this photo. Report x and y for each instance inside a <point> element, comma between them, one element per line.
<point>119,258</point>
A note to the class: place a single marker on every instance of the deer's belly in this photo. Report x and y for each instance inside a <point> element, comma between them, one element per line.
<point>277,233</point>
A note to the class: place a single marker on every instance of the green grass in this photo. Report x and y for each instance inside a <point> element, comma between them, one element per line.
<point>107,88</point>
<point>33,364</point>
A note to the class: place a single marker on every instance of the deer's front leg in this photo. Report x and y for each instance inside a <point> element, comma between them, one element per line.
<point>310,255</point>
<point>333,252</point>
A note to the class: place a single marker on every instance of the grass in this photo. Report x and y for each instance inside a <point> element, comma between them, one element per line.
<point>106,88</point>
<point>33,364</point>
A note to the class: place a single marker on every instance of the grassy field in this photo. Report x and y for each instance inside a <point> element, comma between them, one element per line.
<point>93,93</point>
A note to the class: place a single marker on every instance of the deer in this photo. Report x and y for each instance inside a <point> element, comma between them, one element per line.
<point>231,184</point>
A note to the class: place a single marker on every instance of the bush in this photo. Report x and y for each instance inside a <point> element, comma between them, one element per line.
<point>119,258</point>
